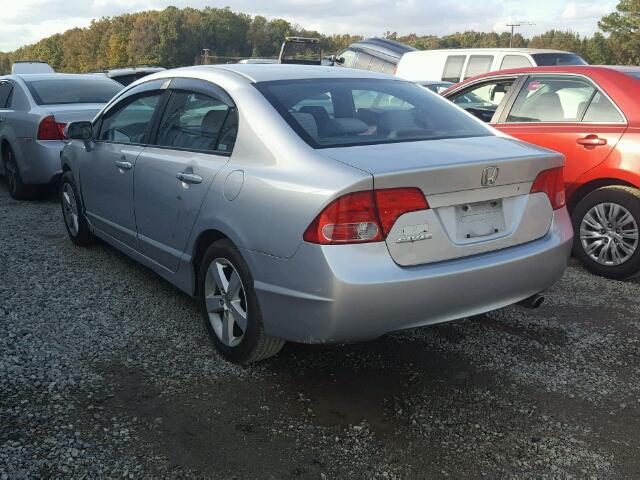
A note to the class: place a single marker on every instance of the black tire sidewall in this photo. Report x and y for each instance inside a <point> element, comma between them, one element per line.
<point>21,191</point>
<point>243,352</point>
<point>628,198</point>
<point>84,236</point>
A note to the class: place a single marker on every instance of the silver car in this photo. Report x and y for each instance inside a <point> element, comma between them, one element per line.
<point>34,109</point>
<point>315,204</point>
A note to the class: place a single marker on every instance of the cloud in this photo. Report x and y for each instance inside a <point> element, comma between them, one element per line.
<point>26,21</point>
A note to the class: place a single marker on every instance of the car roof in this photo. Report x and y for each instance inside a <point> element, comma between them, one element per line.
<point>256,73</point>
<point>488,50</point>
<point>131,70</point>
<point>578,69</point>
<point>53,76</point>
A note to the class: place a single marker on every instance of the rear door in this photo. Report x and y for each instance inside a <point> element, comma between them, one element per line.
<point>568,114</point>
<point>107,171</point>
<point>192,141</point>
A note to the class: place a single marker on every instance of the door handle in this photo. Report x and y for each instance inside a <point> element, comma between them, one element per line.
<point>591,141</point>
<point>124,165</point>
<point>189,178</point>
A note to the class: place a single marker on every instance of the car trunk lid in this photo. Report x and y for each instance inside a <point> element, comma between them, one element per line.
<point>477,190</point>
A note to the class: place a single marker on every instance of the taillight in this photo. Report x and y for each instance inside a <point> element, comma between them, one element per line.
<point>551,182</point>
<point>362,217</point>
<point>49,129</point>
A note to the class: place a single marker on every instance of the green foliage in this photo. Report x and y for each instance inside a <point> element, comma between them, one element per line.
<point>176,37</point>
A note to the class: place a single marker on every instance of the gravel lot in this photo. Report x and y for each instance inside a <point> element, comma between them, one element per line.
<point>106,371</point>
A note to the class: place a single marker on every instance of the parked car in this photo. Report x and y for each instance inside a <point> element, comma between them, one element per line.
<point>127,75</point>
<point>296,210</point>
<point>591,114</point>
<point>454,65</point>
<point>34,109</point>
<point>435,87</point>
<point>375,54</point>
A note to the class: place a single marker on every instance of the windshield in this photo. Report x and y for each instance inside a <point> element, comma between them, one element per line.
<point>56,91</point>
<point>348,112</point>
<point>553,59</point>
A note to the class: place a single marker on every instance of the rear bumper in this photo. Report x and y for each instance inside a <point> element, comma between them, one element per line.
<point>39,162</point>
<point>356,292</point>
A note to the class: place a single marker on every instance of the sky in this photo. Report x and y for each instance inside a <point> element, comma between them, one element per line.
<point>27,21</point>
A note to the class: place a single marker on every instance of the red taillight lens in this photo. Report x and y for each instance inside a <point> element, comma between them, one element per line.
<point>393,202</point>
<point>551,182</point>
<point>363,216</point>
<point>49,129</point>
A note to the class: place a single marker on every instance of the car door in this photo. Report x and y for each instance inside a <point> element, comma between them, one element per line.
<point>107,172</point>
<point>192,141</point>
<point>566,113</point>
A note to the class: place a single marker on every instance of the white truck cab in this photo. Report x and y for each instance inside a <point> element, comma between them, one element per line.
<point>28,66</point>
<point>456,65</point>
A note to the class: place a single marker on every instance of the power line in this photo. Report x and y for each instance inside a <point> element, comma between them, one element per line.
<point>514,24</point>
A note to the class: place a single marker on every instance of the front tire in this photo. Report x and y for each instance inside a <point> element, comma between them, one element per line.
<point>606,238</point>
<point>229,306</point>
<point>74,219</point>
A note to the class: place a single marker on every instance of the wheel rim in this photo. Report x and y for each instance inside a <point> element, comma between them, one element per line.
<point>226,302</point>
<point>11,170</point>
<point>609,234</point>
<point>70,209</point>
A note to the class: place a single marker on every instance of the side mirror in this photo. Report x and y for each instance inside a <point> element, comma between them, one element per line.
<point>79,131</point>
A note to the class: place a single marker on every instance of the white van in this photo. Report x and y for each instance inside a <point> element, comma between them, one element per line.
<point>460,64</point>
<point>22,67</point>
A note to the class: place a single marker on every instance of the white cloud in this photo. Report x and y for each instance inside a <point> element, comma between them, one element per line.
<point>26,21</point>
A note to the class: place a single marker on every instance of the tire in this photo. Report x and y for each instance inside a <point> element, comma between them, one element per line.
<point>606,238</point>
<point>17,188</point>
<point>234,343</point>
<point>74,220</point>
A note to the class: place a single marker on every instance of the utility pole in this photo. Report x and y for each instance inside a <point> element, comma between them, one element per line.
<point>513,25</point>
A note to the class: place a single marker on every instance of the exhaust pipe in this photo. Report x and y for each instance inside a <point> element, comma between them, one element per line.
<point>533,302</point>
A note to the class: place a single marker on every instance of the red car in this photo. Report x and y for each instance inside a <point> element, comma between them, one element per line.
<point>591,114</point>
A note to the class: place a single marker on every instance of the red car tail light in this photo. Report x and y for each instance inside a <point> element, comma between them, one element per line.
<point>394,202</point>
<point>49,129</point>
<point>363,217</point>
<point>551,182</point>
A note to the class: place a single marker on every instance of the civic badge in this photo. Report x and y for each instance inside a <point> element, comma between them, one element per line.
<point>489,176</point>
<point>414,233</point>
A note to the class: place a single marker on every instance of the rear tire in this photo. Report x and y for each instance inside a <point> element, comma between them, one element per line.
<point>606,239</point>
<point>229,306</point>
<point>74,220</point>
<point>17,188</point>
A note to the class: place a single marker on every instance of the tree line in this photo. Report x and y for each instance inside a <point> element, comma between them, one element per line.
<point>177,37</point>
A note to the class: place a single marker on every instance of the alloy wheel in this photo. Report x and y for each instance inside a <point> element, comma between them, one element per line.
<point>609,234</point>
<point>226,302</point>
<point>70,209</point>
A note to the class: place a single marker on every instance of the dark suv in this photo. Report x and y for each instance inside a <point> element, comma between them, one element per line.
<point>375,54</point>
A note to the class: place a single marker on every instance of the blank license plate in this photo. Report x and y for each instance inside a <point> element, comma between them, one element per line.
<point>480,219</point>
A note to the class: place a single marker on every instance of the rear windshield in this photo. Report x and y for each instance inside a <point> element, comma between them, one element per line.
<point>57,91</point>
<point>553,59</point>
<point>348,112</point>
<point>635,75</point>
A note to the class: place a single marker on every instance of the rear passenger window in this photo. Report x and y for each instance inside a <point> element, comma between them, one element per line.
<point>552,99</point>
<point>478,64</point>
<point>363,61</point>
<point>5,94</point>
<point>601,110</point>
<point>130,123</point>
<point>515,61</point>
<point>193,121</point>
<point>453,68</point>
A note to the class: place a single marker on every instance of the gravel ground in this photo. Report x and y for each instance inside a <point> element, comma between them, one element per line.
<point>106,371</point>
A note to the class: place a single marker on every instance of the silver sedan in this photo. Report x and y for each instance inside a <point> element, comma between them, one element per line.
<point>34,109</point>
<point>315,204</point>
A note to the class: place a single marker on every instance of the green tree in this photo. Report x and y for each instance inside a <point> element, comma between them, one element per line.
<point>623,25</point>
